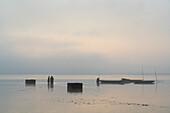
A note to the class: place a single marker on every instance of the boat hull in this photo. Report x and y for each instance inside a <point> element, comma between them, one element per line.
<point>110,82</point>
<point>145,82</point>
<point>124,81</point>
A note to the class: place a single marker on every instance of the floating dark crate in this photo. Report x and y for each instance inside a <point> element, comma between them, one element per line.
<point>30,82</point>
<point>74,87</point>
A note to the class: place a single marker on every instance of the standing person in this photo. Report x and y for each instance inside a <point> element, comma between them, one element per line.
<point>48,80</point>
<point>52,80</point>
<point>97,80</point>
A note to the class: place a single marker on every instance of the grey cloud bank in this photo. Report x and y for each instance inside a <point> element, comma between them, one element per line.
<point>79,64</point>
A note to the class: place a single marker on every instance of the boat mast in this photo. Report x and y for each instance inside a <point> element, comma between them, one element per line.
<point>142,74</point>
<point>156,77</point>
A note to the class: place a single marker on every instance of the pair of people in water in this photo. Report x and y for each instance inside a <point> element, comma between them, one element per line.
<point>50,79</point>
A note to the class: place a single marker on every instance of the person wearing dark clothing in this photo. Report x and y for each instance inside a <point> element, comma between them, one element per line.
<point>52,80</point>
<point>48,80</point>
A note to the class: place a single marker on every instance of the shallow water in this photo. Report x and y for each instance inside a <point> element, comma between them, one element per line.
<point>15,97</point>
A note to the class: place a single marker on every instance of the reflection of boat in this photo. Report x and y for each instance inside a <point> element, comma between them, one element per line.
<point>124,81</point>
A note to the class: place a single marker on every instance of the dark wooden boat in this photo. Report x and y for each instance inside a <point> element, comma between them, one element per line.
<point>124,81</point>
<point>145,82</point>
<point>110,82</point>
<point>121,82</point>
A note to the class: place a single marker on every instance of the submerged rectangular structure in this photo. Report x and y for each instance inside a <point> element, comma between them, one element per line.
<point>30,82</point>
<point>74,87</point>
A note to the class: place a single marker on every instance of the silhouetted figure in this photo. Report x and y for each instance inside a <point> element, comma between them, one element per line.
<point>97,81</point>
<point>48,80</point>
<point>52,80</point>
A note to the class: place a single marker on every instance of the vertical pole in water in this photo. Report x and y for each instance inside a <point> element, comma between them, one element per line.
<point>142,74</point>
<point>156,77</point>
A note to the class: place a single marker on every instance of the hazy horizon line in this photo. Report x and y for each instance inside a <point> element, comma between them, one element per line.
<point>84,74</point>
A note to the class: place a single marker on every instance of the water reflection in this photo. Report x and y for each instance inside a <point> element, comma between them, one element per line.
<point>30,85</point>
<point>50,86</point>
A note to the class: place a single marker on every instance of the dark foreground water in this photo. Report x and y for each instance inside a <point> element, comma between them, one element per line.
<point>16,97</point>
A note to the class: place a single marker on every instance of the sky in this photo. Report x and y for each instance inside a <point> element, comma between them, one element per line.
<point>84,36</point>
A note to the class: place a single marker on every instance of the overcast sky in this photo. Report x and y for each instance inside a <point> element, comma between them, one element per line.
<point>84,36</point>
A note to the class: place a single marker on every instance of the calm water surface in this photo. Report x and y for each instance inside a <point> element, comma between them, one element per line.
<point>15,97</point>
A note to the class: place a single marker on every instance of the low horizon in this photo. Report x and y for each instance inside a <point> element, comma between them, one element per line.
<point>89,74</point>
